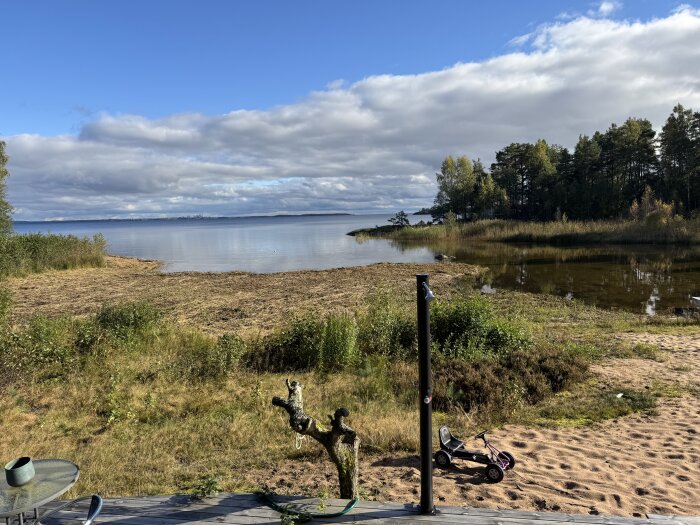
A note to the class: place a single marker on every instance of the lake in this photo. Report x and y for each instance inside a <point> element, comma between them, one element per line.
<point>644,279</point>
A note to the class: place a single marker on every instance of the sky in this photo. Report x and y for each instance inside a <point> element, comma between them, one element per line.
<point>173,108</point>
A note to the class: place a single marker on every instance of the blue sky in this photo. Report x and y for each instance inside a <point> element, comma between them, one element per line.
<point>138,109</point>
<point>67,61</point>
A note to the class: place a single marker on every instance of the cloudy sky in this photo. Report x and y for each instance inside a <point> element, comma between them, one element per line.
<point>283,107</point>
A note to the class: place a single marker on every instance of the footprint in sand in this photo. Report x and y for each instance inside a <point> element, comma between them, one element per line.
<point>519,444</point>
<point>564,466</point>
<point>570,485</point>
<point>641,492</point>
<point>618,500</point>
<point>682,477</point>
<point>512,495</point>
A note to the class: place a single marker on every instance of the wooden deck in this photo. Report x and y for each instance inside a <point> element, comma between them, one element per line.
<point>241,508</point>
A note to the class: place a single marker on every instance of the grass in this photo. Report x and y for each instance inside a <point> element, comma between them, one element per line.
<point>677,231</point>
<point>588,404</point>
<point>36,252</point>
<point>126,383</point>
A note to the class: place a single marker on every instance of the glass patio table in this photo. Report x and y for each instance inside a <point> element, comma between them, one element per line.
<point>52,478</point>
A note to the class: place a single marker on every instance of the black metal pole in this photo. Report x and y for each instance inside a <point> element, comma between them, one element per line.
<point>426,398</point>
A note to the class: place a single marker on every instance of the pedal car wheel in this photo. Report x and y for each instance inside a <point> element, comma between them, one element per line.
<point>493,473</point>
<point>442,459</point>
<point>507,456</point>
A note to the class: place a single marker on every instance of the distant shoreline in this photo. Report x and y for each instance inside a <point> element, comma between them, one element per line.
<point>192,218</point>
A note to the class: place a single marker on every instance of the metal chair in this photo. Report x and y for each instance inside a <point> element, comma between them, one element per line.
<point>93,511</point>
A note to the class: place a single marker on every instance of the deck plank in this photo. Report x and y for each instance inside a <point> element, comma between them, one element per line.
<point>247,509</point>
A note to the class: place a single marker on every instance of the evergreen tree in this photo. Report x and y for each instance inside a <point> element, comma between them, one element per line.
<point>678,158</point>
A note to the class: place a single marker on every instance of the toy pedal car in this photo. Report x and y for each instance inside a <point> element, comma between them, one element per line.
<point>451,448</point>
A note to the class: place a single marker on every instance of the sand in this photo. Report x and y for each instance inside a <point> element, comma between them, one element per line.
<point>630,466</point>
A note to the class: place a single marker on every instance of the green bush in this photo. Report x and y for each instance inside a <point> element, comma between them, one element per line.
<point>126,321</point>
<point>468,329</point>
<point>386,328</point>
<point>339,346</point>
<point>506,382</point>
<point>298,345</point>
<point>43,349</point>
<point>309,343</point>
<point>199,357</point>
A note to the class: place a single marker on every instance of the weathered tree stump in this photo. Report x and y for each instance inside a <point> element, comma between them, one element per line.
<point>340,441</point>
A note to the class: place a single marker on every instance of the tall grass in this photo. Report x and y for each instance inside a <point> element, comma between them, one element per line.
<point>675,231</point>
<point>36,252</point>
<point>311,342</point>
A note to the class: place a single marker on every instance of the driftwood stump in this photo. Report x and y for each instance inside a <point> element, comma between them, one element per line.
<point>340,441</point>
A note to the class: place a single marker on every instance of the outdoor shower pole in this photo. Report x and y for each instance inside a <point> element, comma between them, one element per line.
<point>426,396</point>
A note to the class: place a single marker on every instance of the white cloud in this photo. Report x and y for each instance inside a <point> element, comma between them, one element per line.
<point>608,7</point>
<point>371,145</point>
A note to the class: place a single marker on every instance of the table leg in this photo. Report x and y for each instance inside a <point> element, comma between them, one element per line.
<point>21,518</point>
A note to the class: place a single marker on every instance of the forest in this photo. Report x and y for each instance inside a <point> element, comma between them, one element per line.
<point>608,175</point>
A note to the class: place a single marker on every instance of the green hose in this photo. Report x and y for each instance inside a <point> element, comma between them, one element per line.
<point>301,516</point>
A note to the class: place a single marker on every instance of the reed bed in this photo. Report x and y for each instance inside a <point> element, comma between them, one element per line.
<point>36,252</point>
<point>676,231</point>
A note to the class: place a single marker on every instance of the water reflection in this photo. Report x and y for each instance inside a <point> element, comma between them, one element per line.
<point>639,278</point>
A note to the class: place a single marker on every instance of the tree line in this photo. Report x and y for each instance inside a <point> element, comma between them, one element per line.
<point>602,178</point>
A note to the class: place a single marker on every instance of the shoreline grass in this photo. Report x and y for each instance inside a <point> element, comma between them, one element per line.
<point>36,252</point>
<point>676,231</point>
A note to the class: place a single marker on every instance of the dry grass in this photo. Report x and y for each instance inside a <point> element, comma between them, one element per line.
<point>246,303</point>
<point>677,231</point>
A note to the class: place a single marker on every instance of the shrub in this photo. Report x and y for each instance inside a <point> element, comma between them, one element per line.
<point>385,327</point>
<point>44,348</point>
<point>468,329</point>
<point>504,383</point>
<point>339,347</point>
<point>308,343</point>
<point>199,357</point>
<point>125,321</point>
<point>296,346</point>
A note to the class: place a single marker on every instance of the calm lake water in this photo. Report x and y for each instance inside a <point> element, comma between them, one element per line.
<point>635,278</point>
<point>250,244</point>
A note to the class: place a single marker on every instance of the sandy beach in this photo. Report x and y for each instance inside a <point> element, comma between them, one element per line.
<point>631,466</point>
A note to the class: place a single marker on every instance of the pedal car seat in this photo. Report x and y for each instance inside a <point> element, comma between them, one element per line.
<point>448,441</point>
